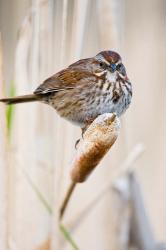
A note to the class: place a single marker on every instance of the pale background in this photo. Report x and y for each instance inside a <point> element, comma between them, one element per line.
<point>54,34</point>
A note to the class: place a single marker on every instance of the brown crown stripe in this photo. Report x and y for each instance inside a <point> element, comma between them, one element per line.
<point>111,56</point>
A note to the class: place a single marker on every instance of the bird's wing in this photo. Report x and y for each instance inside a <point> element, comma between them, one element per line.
<point>64,80</point>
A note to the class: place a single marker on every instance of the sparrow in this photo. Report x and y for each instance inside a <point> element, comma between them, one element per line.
<point>85,89</point>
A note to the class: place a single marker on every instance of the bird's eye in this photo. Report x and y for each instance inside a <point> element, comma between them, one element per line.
<point>102,64</point>
<point>119,66</point>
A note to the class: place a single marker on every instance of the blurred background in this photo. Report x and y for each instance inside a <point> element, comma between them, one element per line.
<point>38,38</point>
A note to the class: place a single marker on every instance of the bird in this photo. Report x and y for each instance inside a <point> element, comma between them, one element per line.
<point>85,89</point>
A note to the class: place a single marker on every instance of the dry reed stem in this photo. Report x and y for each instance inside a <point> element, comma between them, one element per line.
<point>141,235</point>
<point>27,76</point>
<point>3,167</point>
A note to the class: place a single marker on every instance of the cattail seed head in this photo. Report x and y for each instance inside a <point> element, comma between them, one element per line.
<point>97,140</point>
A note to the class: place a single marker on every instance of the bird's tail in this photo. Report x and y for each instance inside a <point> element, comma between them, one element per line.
<point>20,99</point>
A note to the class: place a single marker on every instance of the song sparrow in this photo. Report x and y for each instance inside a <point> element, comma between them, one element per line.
<point>86,89</point>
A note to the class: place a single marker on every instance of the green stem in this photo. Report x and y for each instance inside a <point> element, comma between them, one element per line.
<point>68,237</point>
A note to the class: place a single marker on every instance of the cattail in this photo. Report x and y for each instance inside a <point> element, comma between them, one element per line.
<point>97,140</point>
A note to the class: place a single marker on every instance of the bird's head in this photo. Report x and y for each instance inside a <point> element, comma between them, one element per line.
<point>110,63</point>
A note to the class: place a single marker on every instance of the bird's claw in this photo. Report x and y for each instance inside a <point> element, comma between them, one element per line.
<point>76,143</point>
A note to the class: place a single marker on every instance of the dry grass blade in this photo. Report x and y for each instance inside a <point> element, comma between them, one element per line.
<point>38,193</point>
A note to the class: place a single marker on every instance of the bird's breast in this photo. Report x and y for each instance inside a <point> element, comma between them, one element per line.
<point>80,104</point>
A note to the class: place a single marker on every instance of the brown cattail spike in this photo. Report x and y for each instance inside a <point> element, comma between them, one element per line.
<point>98,139</point>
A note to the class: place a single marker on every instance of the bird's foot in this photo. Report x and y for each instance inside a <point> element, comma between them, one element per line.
<point>87,124</point>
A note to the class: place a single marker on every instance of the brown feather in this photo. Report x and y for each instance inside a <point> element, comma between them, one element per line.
<point>63,80</point>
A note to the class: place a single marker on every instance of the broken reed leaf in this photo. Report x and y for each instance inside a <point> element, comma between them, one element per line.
<point>97,140</point>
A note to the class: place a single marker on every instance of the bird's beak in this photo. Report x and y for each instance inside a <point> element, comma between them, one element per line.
<point>112,68</point>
